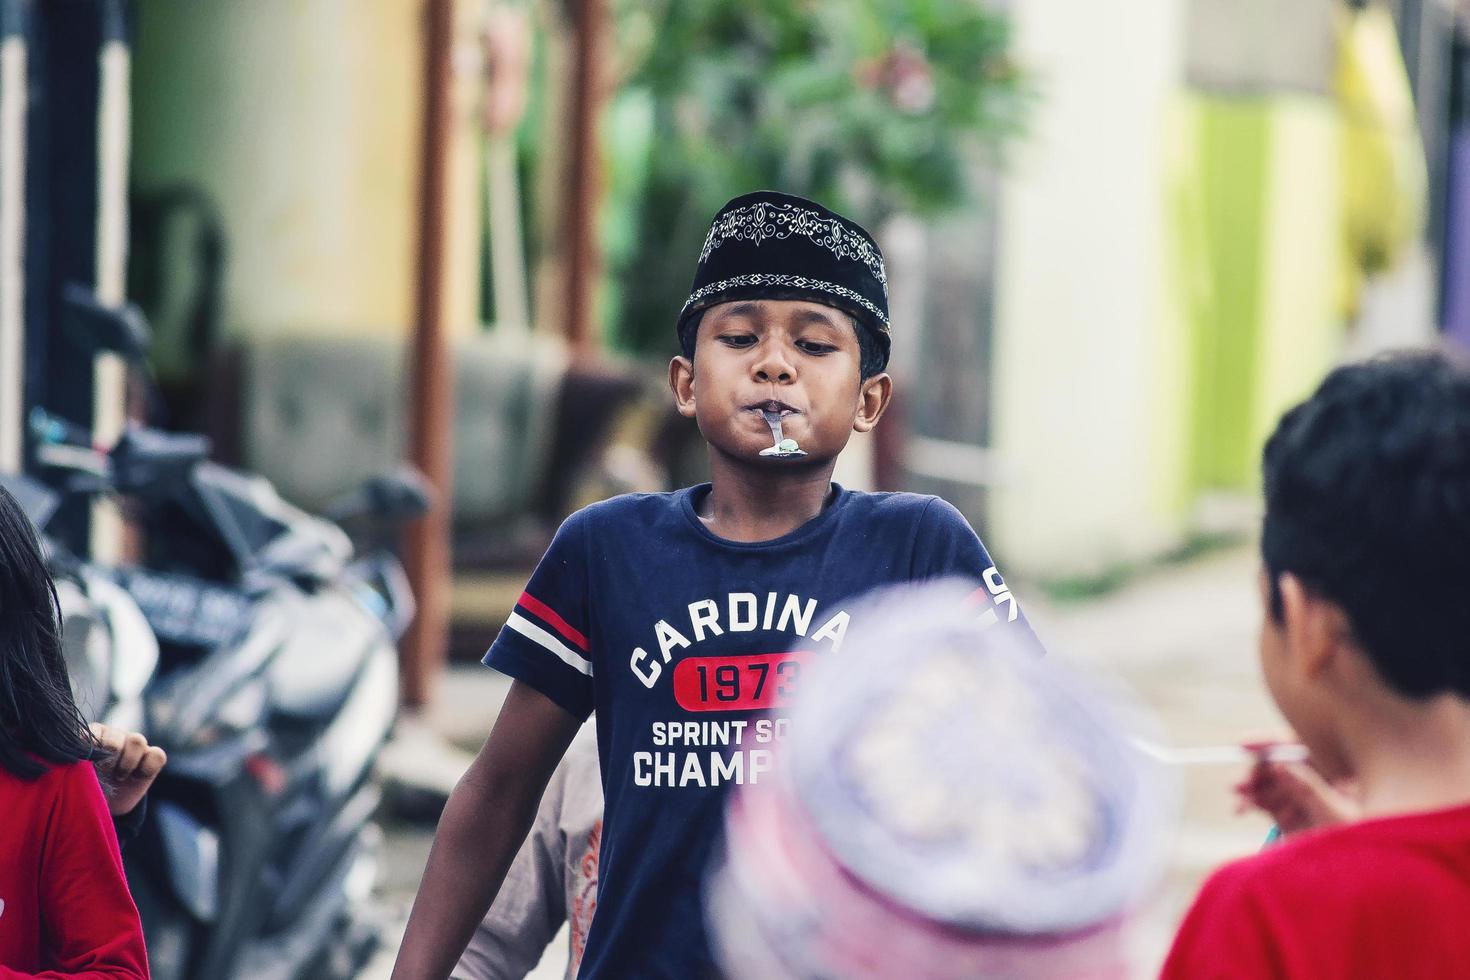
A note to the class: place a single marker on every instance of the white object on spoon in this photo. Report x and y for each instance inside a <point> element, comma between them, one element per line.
<point>782,446</point>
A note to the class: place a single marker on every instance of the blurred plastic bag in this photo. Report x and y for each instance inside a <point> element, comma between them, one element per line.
<point>948,805</point>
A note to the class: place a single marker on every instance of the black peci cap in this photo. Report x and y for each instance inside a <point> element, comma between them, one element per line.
<point>769,245</point>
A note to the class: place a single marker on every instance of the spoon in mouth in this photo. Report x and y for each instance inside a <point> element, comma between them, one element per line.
<point>783,448</point>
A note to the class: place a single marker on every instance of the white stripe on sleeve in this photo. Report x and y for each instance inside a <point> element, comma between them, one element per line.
<point>541,637</point>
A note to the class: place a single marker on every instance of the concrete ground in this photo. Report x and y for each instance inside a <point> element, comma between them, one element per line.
<point>1183,638</point>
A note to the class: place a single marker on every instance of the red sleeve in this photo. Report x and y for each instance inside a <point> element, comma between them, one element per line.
<point>90,927</point>
<point>1227,935</point>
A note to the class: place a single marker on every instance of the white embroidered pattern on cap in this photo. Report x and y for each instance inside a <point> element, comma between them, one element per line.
<point>755,223</point>
<point>792,282</point>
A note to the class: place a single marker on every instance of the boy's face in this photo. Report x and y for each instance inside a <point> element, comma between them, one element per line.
<point>798,358</point>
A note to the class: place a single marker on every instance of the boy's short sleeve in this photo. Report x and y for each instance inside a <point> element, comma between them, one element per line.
<point>947,546</point>
<point>544,642</point>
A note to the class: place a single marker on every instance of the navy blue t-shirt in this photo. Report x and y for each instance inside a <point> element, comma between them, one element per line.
<point>687,646</point>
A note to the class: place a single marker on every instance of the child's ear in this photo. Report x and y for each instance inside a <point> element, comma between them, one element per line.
<point>1315,627</point>
<point>681,383</point>
<point>873,398</point>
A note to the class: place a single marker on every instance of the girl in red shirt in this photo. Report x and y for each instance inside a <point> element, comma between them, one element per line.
<point>65,910</point>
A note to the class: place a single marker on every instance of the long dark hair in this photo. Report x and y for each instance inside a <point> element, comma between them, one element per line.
<point>40,723</point>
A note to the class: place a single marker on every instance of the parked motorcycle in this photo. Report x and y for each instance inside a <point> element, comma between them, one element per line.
<point>276,685</point>
<point>110,650</point>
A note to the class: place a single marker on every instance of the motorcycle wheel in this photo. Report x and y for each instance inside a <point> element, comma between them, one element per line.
<point>169,931</point>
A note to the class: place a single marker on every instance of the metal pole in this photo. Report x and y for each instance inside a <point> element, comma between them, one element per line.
<point>507,44</point>
<point>431,379</point>
<point>507,262</point>
<point>13,88</point>
<point>583,173</point>
<point>110,373</point>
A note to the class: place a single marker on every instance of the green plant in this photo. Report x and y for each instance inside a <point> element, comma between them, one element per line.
<point>869,107</point>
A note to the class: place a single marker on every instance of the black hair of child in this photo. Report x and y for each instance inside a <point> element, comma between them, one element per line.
<point>1368,504</point>
<point>873,358</point>
<point>39,719</point>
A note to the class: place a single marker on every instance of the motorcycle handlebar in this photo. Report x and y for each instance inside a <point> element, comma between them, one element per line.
<point>394,498</point>
<point>141,460</point>
<point>144,459</point>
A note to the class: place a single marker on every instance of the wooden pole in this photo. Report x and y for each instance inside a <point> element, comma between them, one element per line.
<point>584,173</point>
<point>431,380</point>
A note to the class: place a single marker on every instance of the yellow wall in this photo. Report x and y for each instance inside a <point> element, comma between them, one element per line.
<point>1302,329</point>
<point>302,121</point>
<point>1167,259</point>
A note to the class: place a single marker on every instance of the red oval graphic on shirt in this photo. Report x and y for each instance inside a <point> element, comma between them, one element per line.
<point>744,682</point>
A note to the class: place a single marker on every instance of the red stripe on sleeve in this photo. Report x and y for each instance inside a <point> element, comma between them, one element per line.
<point>545,612</point>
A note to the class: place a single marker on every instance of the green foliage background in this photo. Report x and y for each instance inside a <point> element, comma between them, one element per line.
<point>868,106</point>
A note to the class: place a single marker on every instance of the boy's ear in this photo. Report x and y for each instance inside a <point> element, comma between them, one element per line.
<point>873,398</point>
<point>1315,627</point>
<point>681,383</point>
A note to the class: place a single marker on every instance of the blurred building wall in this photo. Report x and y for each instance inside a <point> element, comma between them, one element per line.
<point>302,122</point>
<point>1090,352</point>
<point>1185,235</point>
<point>1258,192</point>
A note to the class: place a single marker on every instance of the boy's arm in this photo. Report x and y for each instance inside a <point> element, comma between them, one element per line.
<point>532,904</point>
<point>483,825</point>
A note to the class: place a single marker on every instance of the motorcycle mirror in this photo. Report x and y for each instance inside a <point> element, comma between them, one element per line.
<point>403,495</point>
<point>86,484</point>
<point>37,500</point>
<point>149,459</point>
<point>94,326</point>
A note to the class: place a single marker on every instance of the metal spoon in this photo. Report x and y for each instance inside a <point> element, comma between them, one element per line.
<point>783,447</point>
<point>1207,755</point>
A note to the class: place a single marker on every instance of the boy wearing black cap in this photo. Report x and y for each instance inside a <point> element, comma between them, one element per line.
<point>675,615</point>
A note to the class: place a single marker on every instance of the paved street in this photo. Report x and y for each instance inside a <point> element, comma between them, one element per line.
<point>1185,640</point>
<point>1183,637</point>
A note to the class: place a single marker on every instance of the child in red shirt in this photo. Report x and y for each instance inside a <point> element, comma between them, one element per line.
<point>1366,650</point>
<point>65,910</point>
